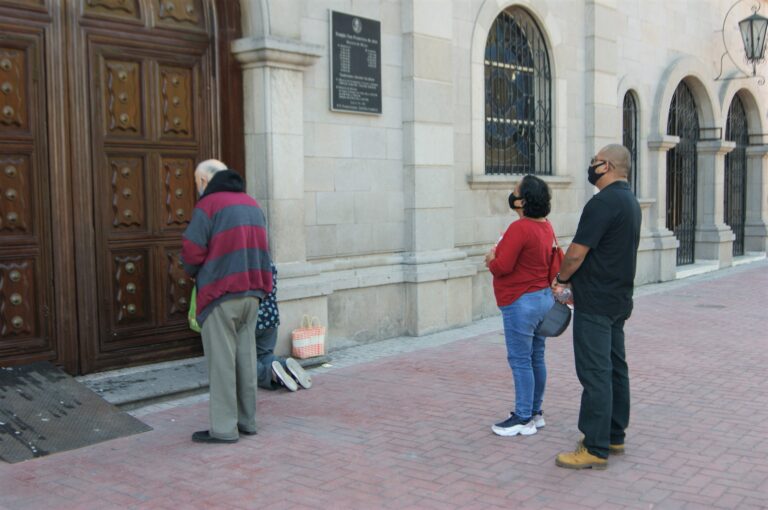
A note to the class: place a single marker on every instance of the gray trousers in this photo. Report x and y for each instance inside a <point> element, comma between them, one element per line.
<point>229,349</point>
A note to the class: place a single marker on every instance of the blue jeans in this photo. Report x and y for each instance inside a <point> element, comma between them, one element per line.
<point>525,351</point>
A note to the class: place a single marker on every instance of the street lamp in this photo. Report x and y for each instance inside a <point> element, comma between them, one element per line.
<point>753,35</point>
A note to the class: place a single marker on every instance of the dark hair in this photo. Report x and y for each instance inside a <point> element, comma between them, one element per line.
<point>537,197</point>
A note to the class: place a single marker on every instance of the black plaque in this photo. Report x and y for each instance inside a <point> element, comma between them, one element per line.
<point>355,64</point>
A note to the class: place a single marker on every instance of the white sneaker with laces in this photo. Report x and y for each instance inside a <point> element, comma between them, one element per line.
<point>538,420</point>
<point>513,426</point>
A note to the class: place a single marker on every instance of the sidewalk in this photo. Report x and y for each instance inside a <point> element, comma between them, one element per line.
<point>405,423</point>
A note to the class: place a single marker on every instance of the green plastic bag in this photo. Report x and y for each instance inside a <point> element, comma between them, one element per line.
<point>192,314</point>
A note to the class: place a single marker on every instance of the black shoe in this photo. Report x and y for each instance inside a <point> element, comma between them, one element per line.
<point>203,436</point>
<point>246,432</point>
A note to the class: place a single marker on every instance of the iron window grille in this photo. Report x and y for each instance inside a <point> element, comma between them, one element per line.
<point>518,97</point>
<point>736,130</point>
<point>683,122</point>
<point>629,135</point>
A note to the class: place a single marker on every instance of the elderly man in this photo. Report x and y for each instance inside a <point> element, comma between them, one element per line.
<point>601,264</point>
<point>225,249</point>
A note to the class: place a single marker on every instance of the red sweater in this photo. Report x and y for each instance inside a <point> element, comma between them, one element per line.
<point>522,260</point>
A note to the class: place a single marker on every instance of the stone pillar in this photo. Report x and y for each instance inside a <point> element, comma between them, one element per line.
<point>273,73</point>
<point>756,226</point>
<point>714,239</point>
<point>433,291</point>
<point>273,83</point>
<point>663,240</point>
<point>601,82</point>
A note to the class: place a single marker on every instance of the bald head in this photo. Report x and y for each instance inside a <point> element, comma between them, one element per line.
<point>205,172</point>
<point>619,157</point>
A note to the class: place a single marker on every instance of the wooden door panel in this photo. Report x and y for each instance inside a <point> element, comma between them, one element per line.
<point>39,4</point>
<point>179,14</point>
<point>177,89</point>
<point>123,99</point>
<point>146,193</point>
<point>177,288</point>
<point>131,287</point>
<point>19,319</point>
<point>25,260</point>
<point>123,10</point>
<point>127,194</point>
<point>178,193</point>
<point>16,218</point>
<point>14,88</point>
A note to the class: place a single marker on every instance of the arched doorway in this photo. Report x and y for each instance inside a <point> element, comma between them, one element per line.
<point>113,103</point>
<point>683,122</point>
<point>736,130</point>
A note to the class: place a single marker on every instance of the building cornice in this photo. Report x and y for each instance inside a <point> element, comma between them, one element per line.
<point>271,51</point>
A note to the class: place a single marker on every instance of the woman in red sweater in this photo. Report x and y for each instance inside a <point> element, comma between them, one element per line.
<point>520,264</point>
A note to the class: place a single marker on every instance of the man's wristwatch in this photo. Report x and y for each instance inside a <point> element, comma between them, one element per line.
<point>563,282</point>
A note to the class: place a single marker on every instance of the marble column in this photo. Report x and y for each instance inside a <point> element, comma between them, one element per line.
<point>713,238</point>
<point>273,74</point>
<point>437,276</point>
<point>756,225</point>
<point>664,241</point>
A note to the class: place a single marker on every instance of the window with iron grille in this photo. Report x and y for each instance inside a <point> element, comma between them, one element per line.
<point>629,135</point>
<point>518,97</point>
<point>735,195</point>
<point>683,121</point>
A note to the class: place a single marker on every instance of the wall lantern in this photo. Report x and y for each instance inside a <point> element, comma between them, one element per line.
<point>753,31</point>
<point>749,39</point>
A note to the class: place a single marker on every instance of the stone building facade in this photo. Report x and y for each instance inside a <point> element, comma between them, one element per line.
<point>379,223</point>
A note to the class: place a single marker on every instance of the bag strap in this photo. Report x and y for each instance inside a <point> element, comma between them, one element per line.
<point>555,247</point>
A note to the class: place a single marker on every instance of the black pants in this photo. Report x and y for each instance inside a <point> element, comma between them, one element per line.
<point>598,347</point>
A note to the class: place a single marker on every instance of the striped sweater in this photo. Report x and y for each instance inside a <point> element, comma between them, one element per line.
<point>225,245</point>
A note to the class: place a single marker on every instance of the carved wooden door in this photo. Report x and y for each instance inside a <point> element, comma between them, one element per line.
<point>105,108</point>
<point>26,298</point>
<point>151,119</point>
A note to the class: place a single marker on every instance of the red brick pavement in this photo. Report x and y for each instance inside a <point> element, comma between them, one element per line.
<point>413,430</point>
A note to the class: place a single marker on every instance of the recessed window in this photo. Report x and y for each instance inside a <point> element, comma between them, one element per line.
<point>629,135</point>
<point>518,97</point>
<point>683,121</point>
<point>735,195</point>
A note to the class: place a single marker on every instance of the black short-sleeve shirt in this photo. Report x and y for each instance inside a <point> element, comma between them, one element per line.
<point>610,227</point>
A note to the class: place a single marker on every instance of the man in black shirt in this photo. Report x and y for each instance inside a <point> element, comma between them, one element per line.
<point>600,267</point>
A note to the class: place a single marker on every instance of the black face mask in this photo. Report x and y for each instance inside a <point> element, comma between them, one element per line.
<point>593,176</point>
<point>513,199</point>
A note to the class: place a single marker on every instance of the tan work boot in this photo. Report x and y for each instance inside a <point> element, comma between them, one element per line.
<point>613,449</point>
<point>580,459</point>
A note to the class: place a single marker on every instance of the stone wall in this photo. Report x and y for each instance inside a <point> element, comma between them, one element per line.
<point>379,222</point>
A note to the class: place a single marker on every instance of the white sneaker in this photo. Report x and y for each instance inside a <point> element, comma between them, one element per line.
<point>538,419</point>
<point>282,377</point>
<point>513,426</point>
<point>298,373</point>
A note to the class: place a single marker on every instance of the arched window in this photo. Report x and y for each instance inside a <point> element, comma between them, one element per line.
<point>629,135</point>
<point>683,121</point>
<point>518,97</point>
<point>736,173</point>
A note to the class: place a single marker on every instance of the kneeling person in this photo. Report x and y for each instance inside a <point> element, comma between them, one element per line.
<point>275,372</point>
